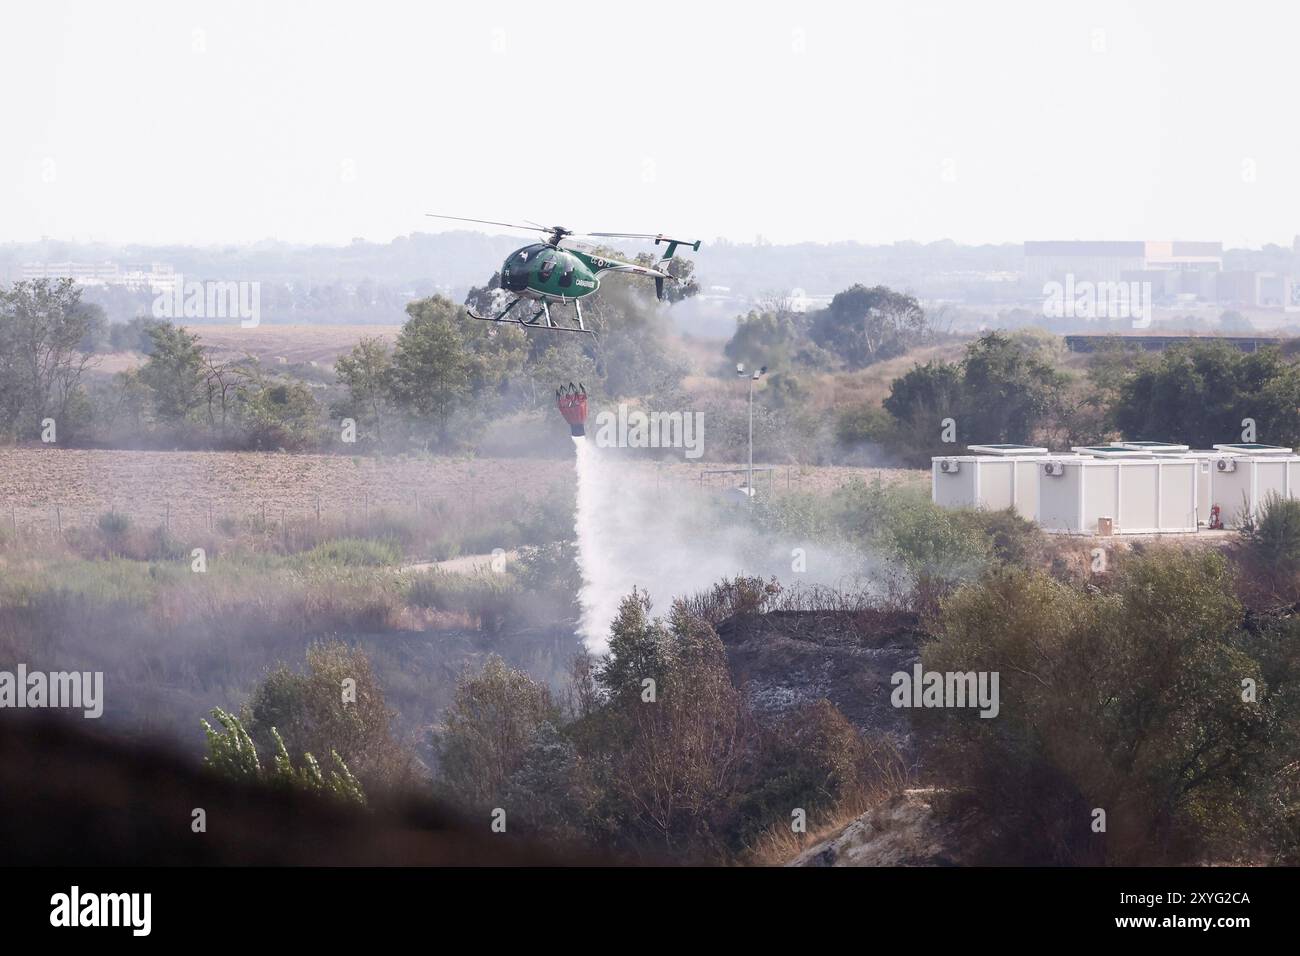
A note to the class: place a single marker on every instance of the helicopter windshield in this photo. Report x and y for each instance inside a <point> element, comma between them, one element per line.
<point>514,274</point>
<point>548,266</point>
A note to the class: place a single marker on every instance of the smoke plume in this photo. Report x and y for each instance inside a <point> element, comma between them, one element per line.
<point>672,540</point>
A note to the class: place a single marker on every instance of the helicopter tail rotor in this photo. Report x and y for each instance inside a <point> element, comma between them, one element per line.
<point>674,243</point>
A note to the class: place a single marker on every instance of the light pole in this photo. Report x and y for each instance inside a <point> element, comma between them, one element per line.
<point>740,370</point>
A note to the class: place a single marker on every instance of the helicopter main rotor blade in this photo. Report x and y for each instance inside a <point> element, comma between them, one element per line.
<point>624,235</point>
<point>486,222</point>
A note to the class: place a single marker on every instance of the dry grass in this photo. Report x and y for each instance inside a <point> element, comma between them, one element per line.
<point>827,390</point>
<point>779,844</point>
<point>871,384</point>
<point>41,488</point>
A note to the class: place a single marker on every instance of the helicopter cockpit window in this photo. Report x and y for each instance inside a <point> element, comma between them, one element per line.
<point>548,267</point>
<point>517,266</point>
<point>566,279</point>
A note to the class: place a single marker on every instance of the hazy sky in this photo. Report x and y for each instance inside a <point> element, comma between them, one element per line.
<point>975,121</point>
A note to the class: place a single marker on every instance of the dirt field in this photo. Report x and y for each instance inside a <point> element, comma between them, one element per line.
<point>321,344</point>
<point>41,488</point>
<point>269,344</point>
<point>186,487</point>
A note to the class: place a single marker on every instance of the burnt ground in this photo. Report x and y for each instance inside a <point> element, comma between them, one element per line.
<point>785,659</point>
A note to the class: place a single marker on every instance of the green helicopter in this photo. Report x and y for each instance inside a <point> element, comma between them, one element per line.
<point>546,272</point>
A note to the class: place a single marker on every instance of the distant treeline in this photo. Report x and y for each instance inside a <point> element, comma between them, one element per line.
<point>450,384</point>
<point>371,281</point>
<point>442,386</point>
<point>1012,386</point>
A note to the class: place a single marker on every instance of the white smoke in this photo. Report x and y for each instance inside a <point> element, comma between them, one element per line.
<point>667,540</point>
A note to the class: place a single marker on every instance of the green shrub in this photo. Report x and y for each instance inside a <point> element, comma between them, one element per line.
<point>231,753</point>
<point>1130,700</point>
<point>355,552</point>
<point>1014,540</point>
<point>114,525</point>
<point>309,712</point>
<point>1274,539</point>
<point>492,598</point>
<point>487,732</point>
<point>162,545</point>
<point>867,423</point>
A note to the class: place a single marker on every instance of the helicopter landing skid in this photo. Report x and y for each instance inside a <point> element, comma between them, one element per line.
<point>538,320</point>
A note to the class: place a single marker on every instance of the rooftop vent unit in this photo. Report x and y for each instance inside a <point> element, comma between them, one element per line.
<point>1006,450</point>
<point>1158,447</point>
<point>1253,448</point>
<point>1111,451</point>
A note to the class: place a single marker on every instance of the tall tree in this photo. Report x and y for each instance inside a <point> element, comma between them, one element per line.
<point>1008,391</point>
<point>42,325</point>
<point>174,373</point>
<point>367,373</point>
<point>432,370</point>
<point>1202,393</point>
<point>865,325</point>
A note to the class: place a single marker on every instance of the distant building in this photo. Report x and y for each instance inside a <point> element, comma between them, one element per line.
<point>154,276</point>
<point>1272,291</point>
<point>1106,261</point>
<point>1265,290</point>
<point>1159,342</point>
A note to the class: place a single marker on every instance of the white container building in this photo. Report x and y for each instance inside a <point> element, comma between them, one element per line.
<point>1240,478</point>
<point>1138,491</point>
<point>1138,487</point>
<point>993,477</point>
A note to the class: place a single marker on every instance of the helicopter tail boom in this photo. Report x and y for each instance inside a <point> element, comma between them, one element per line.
<point>664,259</point>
